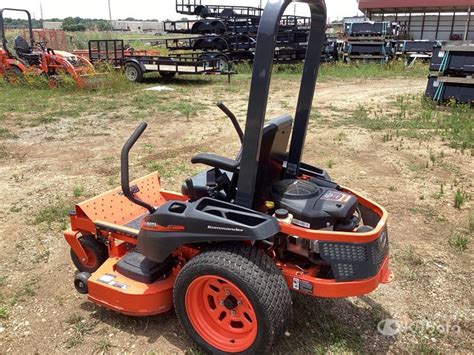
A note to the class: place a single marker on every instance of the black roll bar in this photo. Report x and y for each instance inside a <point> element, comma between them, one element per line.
<point>2,28</point>
<point>124,168</point>
<point>262,70</point>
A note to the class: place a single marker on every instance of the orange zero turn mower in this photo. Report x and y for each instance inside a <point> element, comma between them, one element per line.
<point>227,251</point>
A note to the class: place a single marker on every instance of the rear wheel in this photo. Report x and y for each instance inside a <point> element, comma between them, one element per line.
<point>14,75</point>
<point>232,299</point>
<point>133,72</point>
<point>96,252</point>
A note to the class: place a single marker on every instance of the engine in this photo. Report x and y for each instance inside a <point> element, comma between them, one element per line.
<point>316,207</point>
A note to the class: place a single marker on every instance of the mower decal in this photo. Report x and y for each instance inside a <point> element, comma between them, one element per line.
<point>336,196</point>
<point>302,285</point>
<point>226,229</point>
<point>109,279</point>
<point>301,223</point>
<point>152,226</point>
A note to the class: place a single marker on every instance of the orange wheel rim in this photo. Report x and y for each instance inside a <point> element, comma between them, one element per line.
<point>91,258</point>
<point>221,313</point>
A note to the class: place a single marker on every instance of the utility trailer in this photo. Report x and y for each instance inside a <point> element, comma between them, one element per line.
<point>195,7</point>
<point>138,63</point>
<point>212,43</point>
<point>213,26</point>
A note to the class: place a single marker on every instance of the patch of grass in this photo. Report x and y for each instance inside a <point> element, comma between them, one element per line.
<point>416,116</point>
<point>7,134</point>
<point>80,328</point>
<point>166,168</point>
<point>459,241</point>
<point>77,191</point>
<point>54,213</point>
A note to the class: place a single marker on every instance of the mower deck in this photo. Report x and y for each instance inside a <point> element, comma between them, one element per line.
<point>110,289</point>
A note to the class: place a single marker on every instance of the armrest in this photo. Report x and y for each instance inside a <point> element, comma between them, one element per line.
<point>216,161</point>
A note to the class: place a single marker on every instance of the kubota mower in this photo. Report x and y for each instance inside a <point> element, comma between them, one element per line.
<point>30,58</point>
<point>228,249</point>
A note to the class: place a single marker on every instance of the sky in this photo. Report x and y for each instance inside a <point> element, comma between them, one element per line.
<point>149,9</point>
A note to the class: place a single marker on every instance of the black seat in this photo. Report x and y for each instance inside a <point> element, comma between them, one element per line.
<point>24,51</point>
<point>275,137</point>
<point>21,46</point>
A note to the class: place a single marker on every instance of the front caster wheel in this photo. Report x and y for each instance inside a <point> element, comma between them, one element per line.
<point>232,299</point>
<point>96,252</point>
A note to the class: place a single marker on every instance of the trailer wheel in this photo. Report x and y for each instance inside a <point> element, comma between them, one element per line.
<point>96,252</point>
<point>222,63</point>
<point>232,298</point>
<point>133,72</point>
<point>167,74</point>
<point>13,75</point>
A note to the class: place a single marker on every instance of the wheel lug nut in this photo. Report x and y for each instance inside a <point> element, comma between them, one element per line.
<point>232,312</point>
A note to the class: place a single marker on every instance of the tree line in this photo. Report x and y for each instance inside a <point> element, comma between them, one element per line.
<point>70,24</point>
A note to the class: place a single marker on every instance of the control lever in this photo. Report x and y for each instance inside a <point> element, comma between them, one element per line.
<point>192,193</point>
<point>233,119</point>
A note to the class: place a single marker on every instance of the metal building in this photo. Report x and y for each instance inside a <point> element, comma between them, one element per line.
<point>137,26</point>
<point>425,19</point>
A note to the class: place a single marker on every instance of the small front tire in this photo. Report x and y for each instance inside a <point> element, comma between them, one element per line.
<point>96,252</point>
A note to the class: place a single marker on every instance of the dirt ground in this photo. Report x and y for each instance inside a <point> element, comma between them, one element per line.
<point>49,167</point>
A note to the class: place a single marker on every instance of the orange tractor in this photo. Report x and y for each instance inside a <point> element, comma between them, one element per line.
<point>30,58</point>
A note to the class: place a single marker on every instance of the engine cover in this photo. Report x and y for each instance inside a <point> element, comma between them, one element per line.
<point>314,206</point>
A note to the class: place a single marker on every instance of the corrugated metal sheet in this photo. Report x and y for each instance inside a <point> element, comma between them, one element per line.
<point>418,4</point>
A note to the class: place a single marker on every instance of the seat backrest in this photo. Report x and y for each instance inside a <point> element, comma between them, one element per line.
<point>21,46</point>
<point>273,152</point>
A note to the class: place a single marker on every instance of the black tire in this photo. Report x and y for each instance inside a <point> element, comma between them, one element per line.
<point>257,277</point>
<point>133,72</point>
<point>13,75</point>
<point>97,249</point>
<point>167,74</point>
<point>80,282</point>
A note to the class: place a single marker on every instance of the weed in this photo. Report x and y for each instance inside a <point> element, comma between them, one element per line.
<point>55,213</point>
<point>392,188</point>
<point>3,312</point>
<point>459,241</point>
<point>104,346</point>
<point>387,137</point>
<point>340,137</point>
<point>330,163</point>
<point>80,327</point>
<point>459,198</point>
<point>78,191</point>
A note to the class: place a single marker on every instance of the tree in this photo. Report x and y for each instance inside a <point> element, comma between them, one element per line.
<point>73,24</point>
